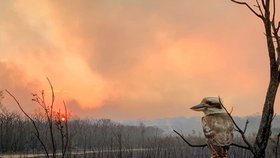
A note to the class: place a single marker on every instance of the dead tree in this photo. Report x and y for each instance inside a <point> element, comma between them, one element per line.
<point>48,109</point>
<point>37,133</point>
<point>265,10</point>
<point>61,123</point>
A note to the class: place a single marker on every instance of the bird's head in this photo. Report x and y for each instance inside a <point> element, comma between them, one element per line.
<point>209,105</point>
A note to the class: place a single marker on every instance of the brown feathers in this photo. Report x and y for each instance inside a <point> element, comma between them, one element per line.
<point>218,130</point>
<point>212,103</point>
<point>217,126</point>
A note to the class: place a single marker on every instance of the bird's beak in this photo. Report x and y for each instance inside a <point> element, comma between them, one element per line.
<point>199,107</point>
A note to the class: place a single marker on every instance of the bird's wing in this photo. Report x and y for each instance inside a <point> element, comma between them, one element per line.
<point>218,129</point>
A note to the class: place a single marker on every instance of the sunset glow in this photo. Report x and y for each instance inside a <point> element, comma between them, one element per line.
<point>133,59</point>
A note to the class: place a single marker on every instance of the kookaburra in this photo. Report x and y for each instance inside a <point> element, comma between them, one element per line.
<point>217,126</point>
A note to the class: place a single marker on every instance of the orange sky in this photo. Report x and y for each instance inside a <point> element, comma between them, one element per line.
<point>132,59</point>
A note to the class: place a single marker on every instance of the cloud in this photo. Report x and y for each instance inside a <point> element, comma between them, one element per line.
<point>136,59</point>
<point>13,79</point>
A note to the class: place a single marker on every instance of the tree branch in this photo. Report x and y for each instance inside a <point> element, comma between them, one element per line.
<point>274,10</point>
<point>50,119</point>
<point>191,145</point>
<point>37,134</point>
<point>263,4</point>
<point>48,112</point>
<point>245,128</point>
<point>204,145</point>
<point>51,91</point>
<point>249,146</point>
<point>260,9</point>
<point>277,38</point>
<point>275,28</point>
<point>231,110</point>
<point>67,130</point>
<point>248,6</point>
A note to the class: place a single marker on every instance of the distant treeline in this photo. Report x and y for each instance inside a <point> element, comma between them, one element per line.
<point>17,133</point>
<point>192,125</point>
<point>104,137</point>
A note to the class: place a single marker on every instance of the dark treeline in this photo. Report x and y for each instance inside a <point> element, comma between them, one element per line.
<point>102,138</point>
<point>17,134</point>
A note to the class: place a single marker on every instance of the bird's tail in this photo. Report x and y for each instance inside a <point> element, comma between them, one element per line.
<point>216,156</point>
<point>220,152</point>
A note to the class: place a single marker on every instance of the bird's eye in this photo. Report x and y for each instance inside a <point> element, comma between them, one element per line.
<point>217,105</point>
<point>209,102</point>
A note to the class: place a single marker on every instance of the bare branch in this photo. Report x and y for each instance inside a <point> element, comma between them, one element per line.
<point>273,11</point>
<point>40,101</point>
<point>50,119</point>
<point>259,7</point>
<point>231,110</point>
<point>277,38</point>
<point>245,128</point>
<point>52,94</point>
<point>275,28</point>
<point>204,145</point>
<point>48,113</point>
<point>248,6</point>
<point>51,91</point>
<point>20,106</point>
<point>191,145</point>
<point>37,134</point>
<point>263,4</point>
<point>66,128</point>
<point>271,31</point>
<point>238,128</point>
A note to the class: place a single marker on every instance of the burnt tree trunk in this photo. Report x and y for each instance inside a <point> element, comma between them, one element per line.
<point>264,131</point>
<point>266,11</point>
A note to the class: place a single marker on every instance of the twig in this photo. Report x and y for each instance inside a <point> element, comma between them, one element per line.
<point>67,130</point>
<point>52,92</point>
<point>249,146</point>
<point>263,4</point>
<point>191,145</point>
<point>48,113</point>
<point>274,10</point>
<point>259,7</point>
<point>245,128</point>
<point>231,110</point>
<point>204,145</point>
<point>50,119</point>
<point>37,134</point>
<point>248,6</point>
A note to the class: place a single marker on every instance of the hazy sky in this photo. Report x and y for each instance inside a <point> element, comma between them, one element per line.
<point>133,59</point>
